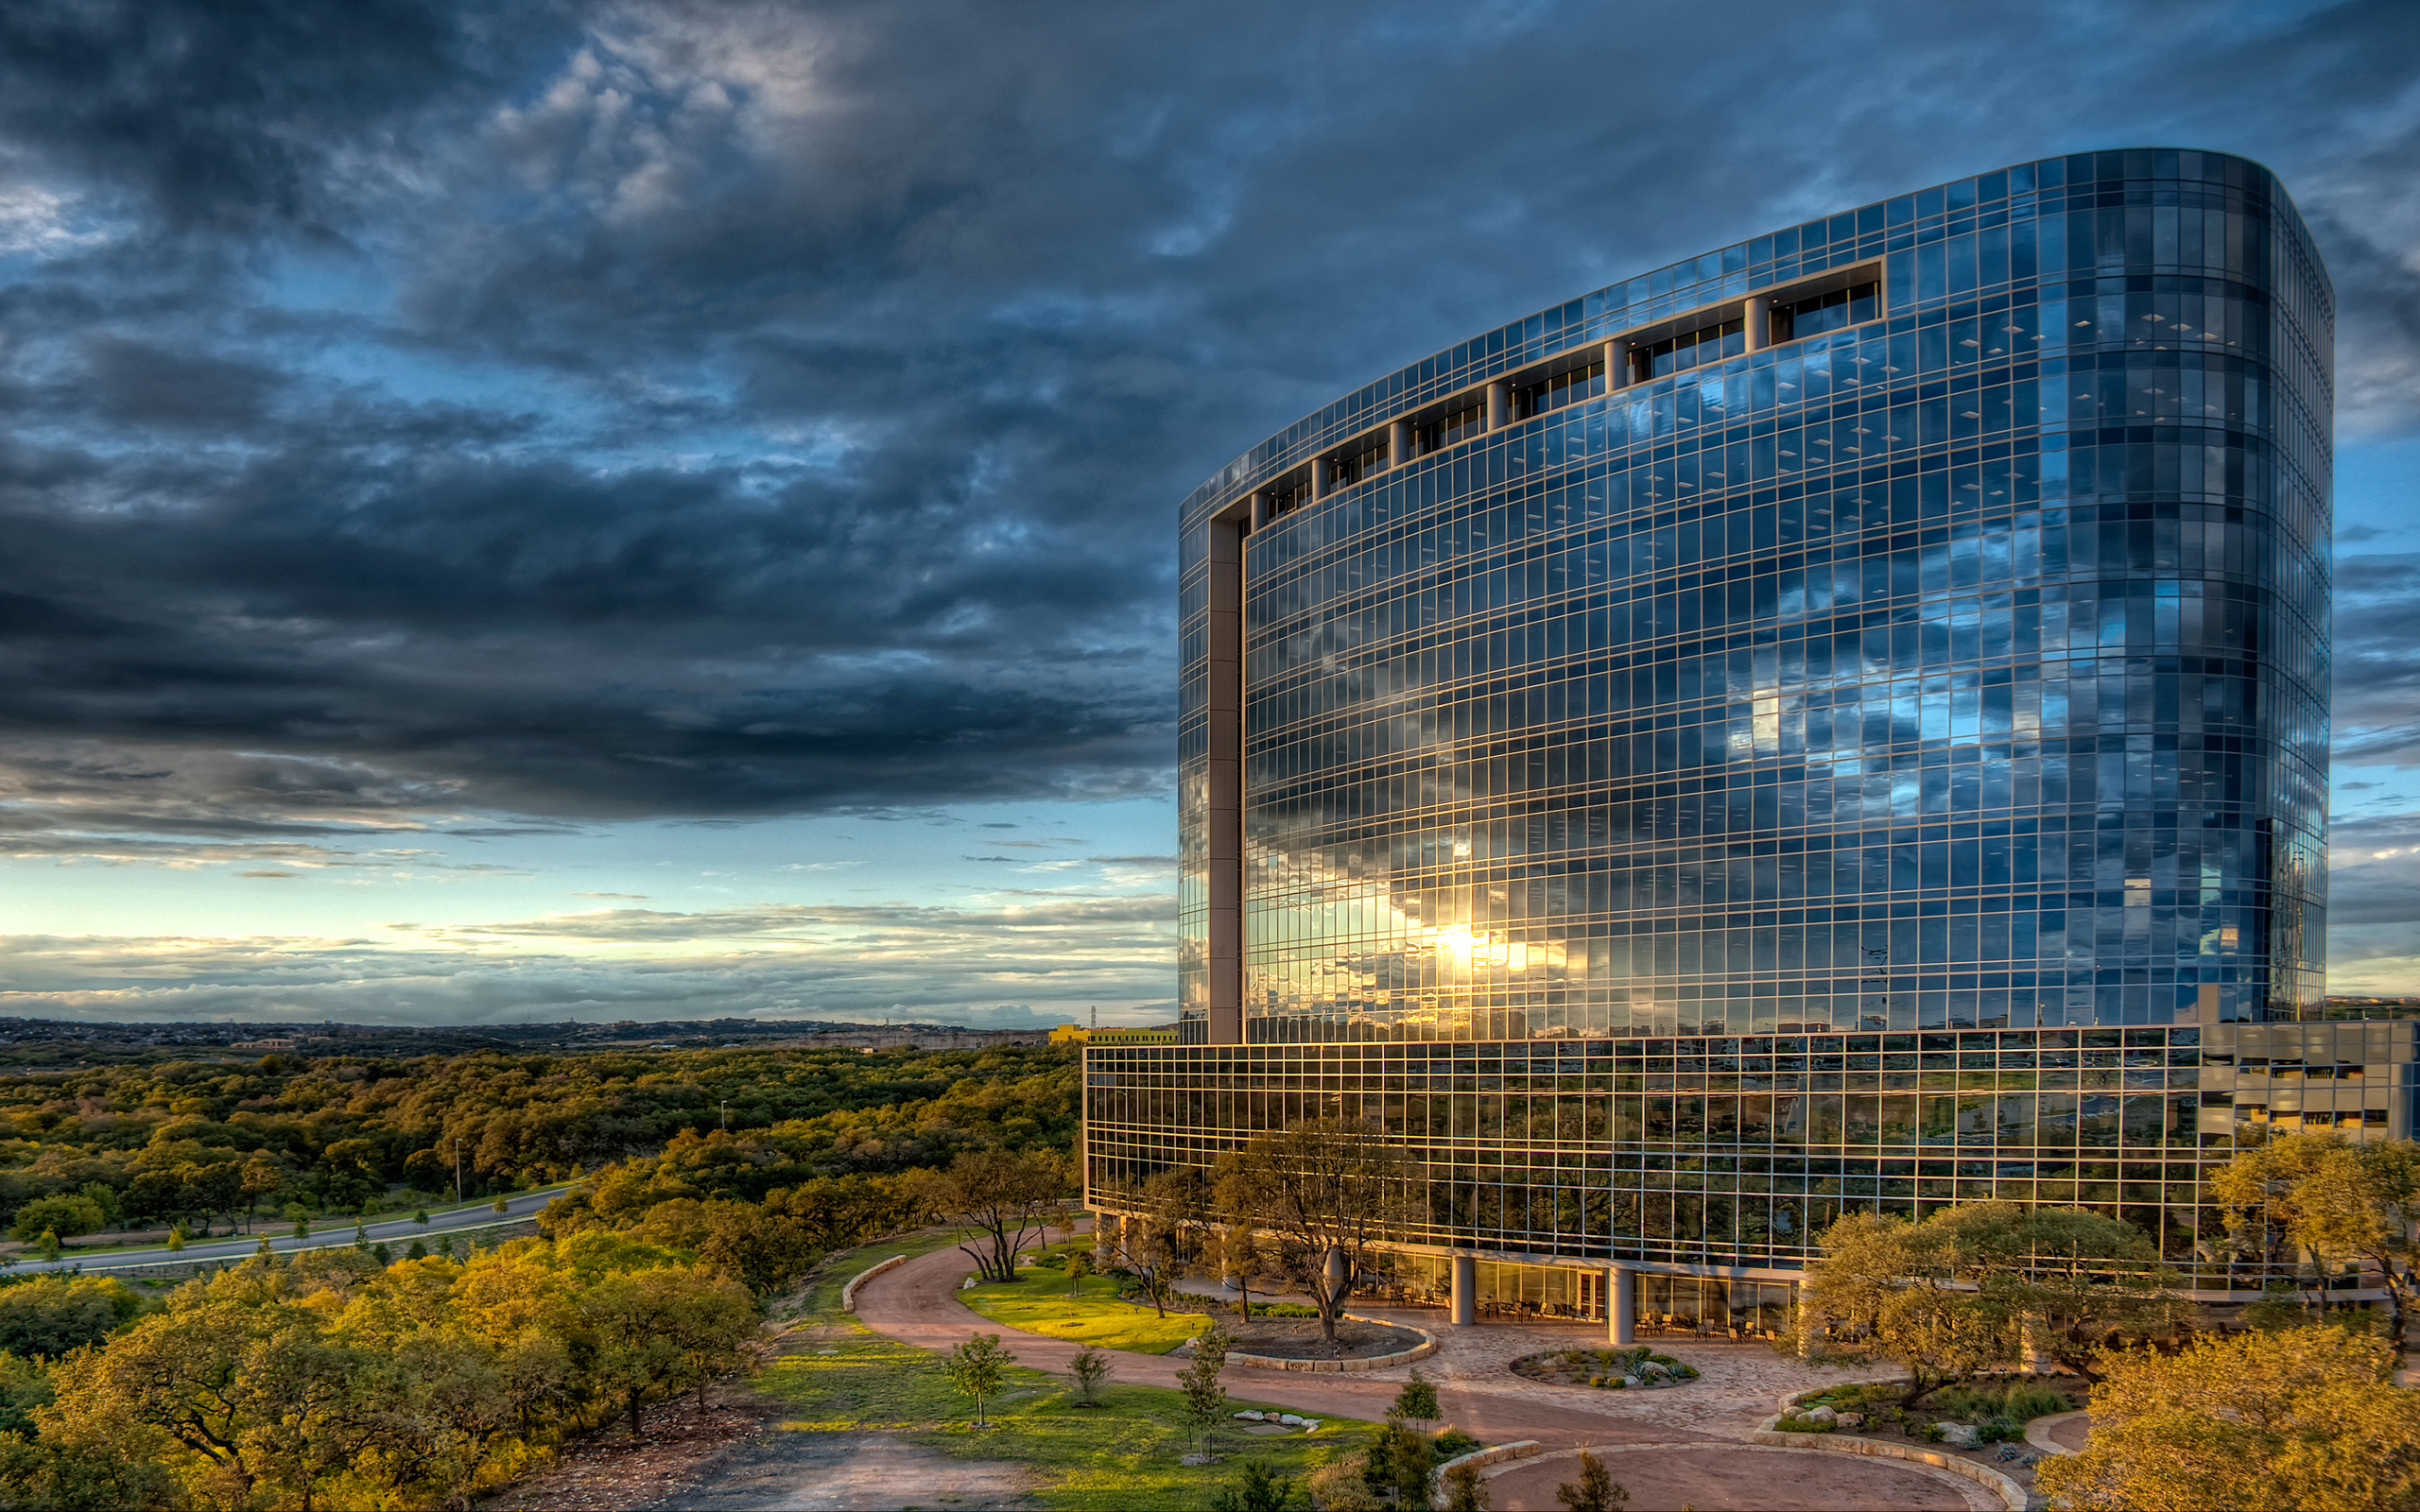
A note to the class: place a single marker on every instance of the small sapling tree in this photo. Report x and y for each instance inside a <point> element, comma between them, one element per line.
<point>1258,1488</point>
<point>977,1368</point>
<point>1417,1401</point>
<point>1206,1398</point>
<point>1596,1490</point>
<point>1464,1491</point>
<point>1090,1368</point>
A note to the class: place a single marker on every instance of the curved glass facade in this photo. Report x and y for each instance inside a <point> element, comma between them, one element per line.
<point>1904,634</point>
<point>1961,667</point>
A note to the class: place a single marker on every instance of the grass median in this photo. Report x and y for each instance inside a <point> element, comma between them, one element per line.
<point>1124,1453</point>
<point>1040,1301</point>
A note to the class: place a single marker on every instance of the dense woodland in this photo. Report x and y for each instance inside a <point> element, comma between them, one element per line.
<point>214,1142</point>
<point>353,1377</point>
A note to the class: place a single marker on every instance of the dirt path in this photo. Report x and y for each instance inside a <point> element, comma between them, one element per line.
<point>786,1470</point>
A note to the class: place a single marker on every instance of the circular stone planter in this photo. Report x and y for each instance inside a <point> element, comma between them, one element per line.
<point>1632,1369</point>
<point>1422,1349</point>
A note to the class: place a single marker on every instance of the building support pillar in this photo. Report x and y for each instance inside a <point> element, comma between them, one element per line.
<point>1223,818</point>
<point>1465,1291</point>
<point>1499,405</point>
<point>1617,365</point>
<point>1621,1306</point>
<point>1398,443</point>
<point>1759,322</point>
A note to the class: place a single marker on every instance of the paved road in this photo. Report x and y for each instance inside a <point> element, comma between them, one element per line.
<point>398,1233</point>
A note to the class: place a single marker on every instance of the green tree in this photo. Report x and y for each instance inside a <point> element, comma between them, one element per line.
<point>1175,1208</point>
<point>1257,1487</point>
<point>1078,1265</point>
<point>2074,1280</point>
<point>241,1396</point>
<point>1417,1401</point>
<point>665,1329</point>
<point>104,1198</point>
<point>1399,1463</point>
<point>1890,1288</point>
<point>1465,1492</point>
<point>1596,1490</point>
<point>977,1368</point>
<point>176,1237</point>
<point>65,1216</point>
<point>1008,1198</point>
<point>47,1317</point>
<point>2334,1200</point>
<point>1326,1191</point>
<point>1090,1368</point>
<point>1205,1397</point>
<point>763,1251</point>
<point>2295,1418</point>
<point>1158,1280</point>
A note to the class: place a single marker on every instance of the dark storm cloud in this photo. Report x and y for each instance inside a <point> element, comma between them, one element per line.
<point>718,410</point>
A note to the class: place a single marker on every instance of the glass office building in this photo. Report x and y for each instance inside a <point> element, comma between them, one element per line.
<point>1840,721</point>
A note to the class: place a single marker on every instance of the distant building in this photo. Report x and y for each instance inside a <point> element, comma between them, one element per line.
<point>1157,1034</point>
<point>1839,724</point>
<point>262,1044</point>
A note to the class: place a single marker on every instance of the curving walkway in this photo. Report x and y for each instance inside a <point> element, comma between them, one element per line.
<point>1676,1447</point>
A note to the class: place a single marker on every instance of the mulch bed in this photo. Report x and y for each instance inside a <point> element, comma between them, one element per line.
<point>1299,1338</point>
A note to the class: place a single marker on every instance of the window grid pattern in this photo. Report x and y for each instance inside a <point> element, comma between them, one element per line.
<point>1903,678</point>
<point>1733,1151</point>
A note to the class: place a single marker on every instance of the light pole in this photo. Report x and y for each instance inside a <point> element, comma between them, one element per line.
<point>726,1116</point>
<point>458,1170</point>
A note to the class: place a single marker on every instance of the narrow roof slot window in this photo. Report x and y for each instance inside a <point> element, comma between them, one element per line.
<point>1690,349</point>
<point>1854,305</point>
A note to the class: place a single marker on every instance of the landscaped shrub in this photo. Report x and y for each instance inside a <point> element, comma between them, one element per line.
<point>1453,1443</point>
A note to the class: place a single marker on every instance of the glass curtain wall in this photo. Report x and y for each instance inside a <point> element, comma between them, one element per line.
<point>1958,667</point>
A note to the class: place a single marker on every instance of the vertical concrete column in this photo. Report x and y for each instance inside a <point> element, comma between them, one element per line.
<point>1759,322</point>
<point>1399,443</point>
<point>1318,478</point>
<point>1465,1291</point>
<point>1223,826</point>
<point>1499,405</point>
<point>1259,509</point>
<point>1621,1308</point>
<point>1617,365</point>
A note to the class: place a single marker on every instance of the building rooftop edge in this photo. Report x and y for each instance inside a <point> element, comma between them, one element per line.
<point>1599,318</point>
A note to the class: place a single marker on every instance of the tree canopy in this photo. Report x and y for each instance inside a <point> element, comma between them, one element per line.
<point>1325,1190</point>
<point>2306,1418</point>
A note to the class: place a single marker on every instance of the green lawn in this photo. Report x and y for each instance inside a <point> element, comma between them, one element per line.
<point>1107,1459</point>
<point>1039,1304</point>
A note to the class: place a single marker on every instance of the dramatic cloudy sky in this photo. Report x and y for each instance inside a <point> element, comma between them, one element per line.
<point>554,509</point>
